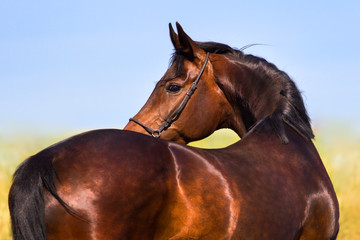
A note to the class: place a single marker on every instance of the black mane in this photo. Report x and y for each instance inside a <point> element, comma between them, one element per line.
<point>290,108</point>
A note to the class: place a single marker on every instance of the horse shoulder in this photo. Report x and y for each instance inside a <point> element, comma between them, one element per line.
<point>201,201</point>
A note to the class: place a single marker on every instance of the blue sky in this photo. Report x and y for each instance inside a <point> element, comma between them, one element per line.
<point>79,65</point>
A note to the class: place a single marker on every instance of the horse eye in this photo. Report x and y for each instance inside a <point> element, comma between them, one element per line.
<point>173,88</point>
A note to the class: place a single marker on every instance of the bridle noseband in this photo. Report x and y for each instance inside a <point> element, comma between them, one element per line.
<point>156,133</point>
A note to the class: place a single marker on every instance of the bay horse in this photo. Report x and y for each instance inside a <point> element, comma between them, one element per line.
<point>123,184</point>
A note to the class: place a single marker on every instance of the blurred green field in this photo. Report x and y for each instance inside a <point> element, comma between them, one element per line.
<point>339,149</point>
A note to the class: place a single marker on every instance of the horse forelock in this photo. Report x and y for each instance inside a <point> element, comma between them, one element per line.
<point>289,107</point>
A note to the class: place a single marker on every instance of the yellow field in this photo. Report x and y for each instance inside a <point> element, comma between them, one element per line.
<point>340,153</point>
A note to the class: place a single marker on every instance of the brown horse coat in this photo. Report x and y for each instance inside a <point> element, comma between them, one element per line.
<point>112,184</point>
<point>163,190</point>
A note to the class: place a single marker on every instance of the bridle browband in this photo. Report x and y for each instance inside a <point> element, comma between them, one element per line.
<point>156,133</point>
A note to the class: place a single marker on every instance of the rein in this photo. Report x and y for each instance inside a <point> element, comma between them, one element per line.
<point>156,133</point>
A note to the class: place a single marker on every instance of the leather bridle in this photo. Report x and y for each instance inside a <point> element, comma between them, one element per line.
<point>156,133</point>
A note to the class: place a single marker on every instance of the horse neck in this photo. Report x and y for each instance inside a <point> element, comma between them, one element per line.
<point>254,95</point>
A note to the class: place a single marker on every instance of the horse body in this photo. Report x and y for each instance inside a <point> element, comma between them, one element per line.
<point>164,190</point>
<point>112,184</point>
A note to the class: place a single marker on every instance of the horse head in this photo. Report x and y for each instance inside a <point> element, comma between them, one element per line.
<point>235,90</point>
<point>208,101</point>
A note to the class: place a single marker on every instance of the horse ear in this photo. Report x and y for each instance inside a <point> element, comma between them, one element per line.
<point>174,38</point>
<point>186,42</point>
<point>183,44</point>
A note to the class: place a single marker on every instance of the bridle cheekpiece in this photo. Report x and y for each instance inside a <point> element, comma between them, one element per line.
<point>156,133</point>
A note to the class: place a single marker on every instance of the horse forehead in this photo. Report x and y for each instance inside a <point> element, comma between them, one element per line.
<point>169,75</point>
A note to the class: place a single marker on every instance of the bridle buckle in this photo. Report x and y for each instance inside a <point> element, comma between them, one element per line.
<point>156,133</point>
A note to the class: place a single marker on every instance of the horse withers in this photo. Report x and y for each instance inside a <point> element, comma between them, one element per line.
<point>113,184</point>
